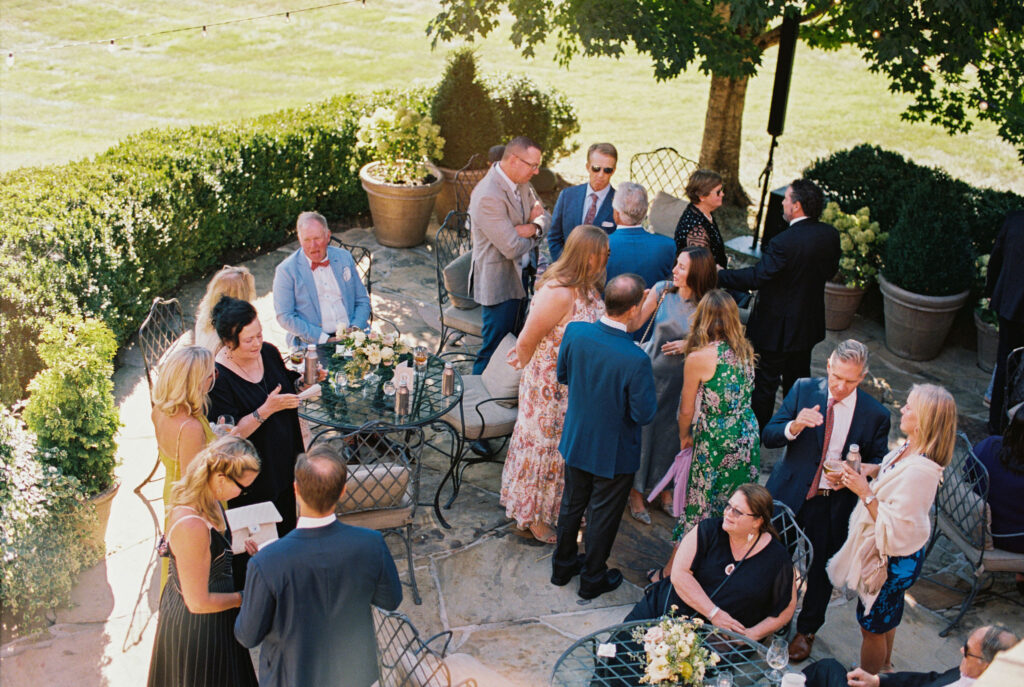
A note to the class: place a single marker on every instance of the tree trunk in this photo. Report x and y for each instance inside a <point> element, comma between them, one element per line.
<point>723,129</point>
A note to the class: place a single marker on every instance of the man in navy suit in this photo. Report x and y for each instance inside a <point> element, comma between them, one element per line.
<point>587,203</point>
<point>308,595</point>
<point>820,419</point>
<point>789,315</point>
<point>611,395</point>
<point>317,290</point>
<point>1006,288</point>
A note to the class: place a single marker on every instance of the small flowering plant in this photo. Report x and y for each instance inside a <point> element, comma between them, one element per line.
<point>861,243</point>
<point>369,351</point>
<point>402,141</point>
<point>675,651</point>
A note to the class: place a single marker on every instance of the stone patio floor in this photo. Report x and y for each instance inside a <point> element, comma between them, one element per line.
<point>478,579</point>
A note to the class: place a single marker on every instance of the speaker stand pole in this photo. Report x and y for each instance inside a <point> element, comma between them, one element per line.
<point>765,180</point>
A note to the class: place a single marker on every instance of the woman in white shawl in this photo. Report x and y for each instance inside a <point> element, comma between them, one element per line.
<point>892,516</point>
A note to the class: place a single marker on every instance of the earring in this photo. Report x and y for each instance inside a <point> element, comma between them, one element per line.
<point>749,537</point>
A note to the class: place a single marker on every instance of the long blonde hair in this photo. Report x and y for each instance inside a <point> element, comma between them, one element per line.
<point>181,383</point>
<point>935,409</point>
<point>230,456</point>
<point>718,319</point>
<point>236,282</point>
<point>573,269</point>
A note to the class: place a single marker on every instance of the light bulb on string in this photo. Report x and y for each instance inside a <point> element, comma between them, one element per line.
<point>876,34</point>
<point>288,17</point>
<point>983,105</point>
<point>204,32</point>
<point>10,59</point>
<point>111,47</point>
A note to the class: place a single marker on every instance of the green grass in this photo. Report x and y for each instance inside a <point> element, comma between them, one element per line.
<point>59,105</point>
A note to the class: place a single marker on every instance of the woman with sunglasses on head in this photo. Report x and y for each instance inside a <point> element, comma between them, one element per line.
<point>696,226</point>
<point>195,642</point>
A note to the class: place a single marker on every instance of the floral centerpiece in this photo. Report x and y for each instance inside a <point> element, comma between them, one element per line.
<point>370,352</point>
<point>861,242</point>
<point>401,141</point>
<point>675,651</point>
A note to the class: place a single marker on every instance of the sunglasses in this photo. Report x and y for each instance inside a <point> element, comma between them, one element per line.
<point>607,170</point>
<point>241,487</point>
<point>729,508</point>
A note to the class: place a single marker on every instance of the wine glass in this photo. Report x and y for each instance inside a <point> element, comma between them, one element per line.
<point>778,658</point>
<point>371,378</point>
<point>297,357</point>
<point>225,423</point>
<point>723,679</point>
<point>340,382</point>
<point>419,357</point>
<point>389,389</point>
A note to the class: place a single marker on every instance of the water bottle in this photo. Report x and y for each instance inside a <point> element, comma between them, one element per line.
<point>853,457</point>
<point>448,380</point>
<point>403,402</point>
<point>311,373</point>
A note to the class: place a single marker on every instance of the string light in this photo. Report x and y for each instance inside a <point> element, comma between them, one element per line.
<point>983,105</point>
<point>204,32</point>
<point>10,59</point>
<point>288,17</point>
<point>112,48</point>
<point>876,34</point>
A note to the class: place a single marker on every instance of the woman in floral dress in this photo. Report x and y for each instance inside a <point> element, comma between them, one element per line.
<point>714,414</point>
<point>569,291</point>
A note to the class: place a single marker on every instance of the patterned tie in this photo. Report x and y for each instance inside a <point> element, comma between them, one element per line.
<point>592,212</point>
<point>829,419</point>
<point>317,265</point>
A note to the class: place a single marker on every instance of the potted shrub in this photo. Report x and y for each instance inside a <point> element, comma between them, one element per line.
<point>927,273</point>
<point>987,322</point>
<point>400,182</point>
<point>545,115</point>
<point>861,241</point>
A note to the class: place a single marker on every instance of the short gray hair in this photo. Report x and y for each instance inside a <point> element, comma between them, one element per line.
<point>996,638</point>
<point>852,351</point>
<point>307,217</point>
<point>631,201</point>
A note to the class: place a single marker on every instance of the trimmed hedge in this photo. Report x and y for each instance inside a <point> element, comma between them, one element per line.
<point>101,238</point>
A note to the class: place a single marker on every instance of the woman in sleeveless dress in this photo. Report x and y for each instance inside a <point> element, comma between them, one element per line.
<point>180,399</point>
<point>569,291</point>
<point>195,643</point>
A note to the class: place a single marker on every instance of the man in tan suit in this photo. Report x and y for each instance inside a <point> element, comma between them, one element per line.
<point>507,221</point>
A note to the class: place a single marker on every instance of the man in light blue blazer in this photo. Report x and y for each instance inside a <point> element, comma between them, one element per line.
<point>589,203</point>
<point>611,395</point>
<point>317,290</point>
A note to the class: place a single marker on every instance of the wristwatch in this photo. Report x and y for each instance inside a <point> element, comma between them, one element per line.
<point>868,499</point>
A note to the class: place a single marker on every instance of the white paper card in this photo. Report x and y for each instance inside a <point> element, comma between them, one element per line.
<point>405,372</point>
<point>606,650</point>
<point>256,522</point>
<point>311,392</point>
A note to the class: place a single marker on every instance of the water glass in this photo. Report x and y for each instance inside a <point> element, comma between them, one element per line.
<point>778,658</point>
<point>419,357</point>
<point>723,679</point>
<point>389,388</point>
<point>340,382</point>
<point>225,423</point>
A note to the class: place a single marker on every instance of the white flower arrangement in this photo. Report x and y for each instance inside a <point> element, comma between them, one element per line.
<point>675,651</point>
<point>370,351</point>
<point>402,140</point>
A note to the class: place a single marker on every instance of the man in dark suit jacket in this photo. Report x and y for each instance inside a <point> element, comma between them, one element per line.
<point>611,395</point>
<point>589,203</point>
<point>815,409</point>
<point>308,595</point>
<point>633,250</point>
<point>789,316</point>
<point>978,651</point>
<point>1006,287</point>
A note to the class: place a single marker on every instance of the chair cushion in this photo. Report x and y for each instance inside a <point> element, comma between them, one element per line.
<point>499,420</point>
<point>998,560</point>
<point>387,519</point>
<point>500,378</point>
<point>380,485</point>
<point>469,321</point>
<point>456,280</point>
<point>665,211</point>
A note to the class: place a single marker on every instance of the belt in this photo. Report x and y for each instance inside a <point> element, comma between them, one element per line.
<point>826,492</point>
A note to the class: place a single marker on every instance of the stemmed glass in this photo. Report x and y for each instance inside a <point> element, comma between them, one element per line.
<point>389,390</point>
<point>419,358</point>
<point>340,382</point>
<point>778,658</point>
<point>371,378</point>
<point>225,424</point>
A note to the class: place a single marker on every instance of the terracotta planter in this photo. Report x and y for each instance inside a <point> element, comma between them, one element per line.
<point>988,343</point>
<point>400,212</point>
<point>101,503</point>
<point>841,303</point>
<point>916,325</point>
<point>452,198</point>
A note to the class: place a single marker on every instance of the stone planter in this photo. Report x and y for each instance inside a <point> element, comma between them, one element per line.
<point>452,196</point>
<point>400,212</point>
<point>916,325</point>
<point>988,343</point>
<point>101,503</point>
<point>841,303</point>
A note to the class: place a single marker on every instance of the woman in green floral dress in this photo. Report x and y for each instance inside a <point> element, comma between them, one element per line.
<point>714,413</point>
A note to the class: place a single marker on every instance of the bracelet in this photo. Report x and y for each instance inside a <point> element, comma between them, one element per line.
<point>714,611</point>
<point>256,416</point>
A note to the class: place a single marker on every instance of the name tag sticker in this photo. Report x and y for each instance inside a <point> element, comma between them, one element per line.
<point>346,274</point>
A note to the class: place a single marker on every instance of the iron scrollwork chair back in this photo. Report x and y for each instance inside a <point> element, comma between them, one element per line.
<point>464,188</point>
<point>405,660</point>
<point>663,169</point>
<point>363,258</point>
<point>453,240</point>
<point>799,546</point>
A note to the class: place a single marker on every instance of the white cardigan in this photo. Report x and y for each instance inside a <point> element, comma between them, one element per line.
<point>905,495</point>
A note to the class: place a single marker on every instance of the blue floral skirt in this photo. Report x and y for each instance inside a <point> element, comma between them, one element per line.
<point>887,611</point>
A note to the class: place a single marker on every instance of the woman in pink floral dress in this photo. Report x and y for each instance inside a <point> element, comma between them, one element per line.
<point>569,291</point>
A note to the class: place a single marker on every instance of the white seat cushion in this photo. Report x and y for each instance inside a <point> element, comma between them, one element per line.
<point>456,280</point>
<point>499,420</point>
<point>469,321</point>
<point>665,211</point>
<point>500,378</point>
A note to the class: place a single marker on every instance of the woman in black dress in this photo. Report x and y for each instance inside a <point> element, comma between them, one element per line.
<point>697,227</point>
<point>195,642</point>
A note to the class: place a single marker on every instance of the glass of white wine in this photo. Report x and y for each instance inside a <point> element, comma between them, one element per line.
<point>777,658</point>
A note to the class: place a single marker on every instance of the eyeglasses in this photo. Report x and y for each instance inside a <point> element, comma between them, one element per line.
<point>607,170</point>
<point>241,487</point>
<point>531,165</point>
<point>729,508</point>
<point>967,652</point>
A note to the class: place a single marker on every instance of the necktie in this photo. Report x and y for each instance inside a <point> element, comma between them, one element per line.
<point>317,265</point>
<point>829,420</point>
<point>592,211</point>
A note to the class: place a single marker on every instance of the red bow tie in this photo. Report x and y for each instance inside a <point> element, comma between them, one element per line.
<point>325,263</point>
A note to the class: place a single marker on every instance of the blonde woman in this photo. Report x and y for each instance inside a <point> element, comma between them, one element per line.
<point>236,282</point>
<point>892,516</point>
<point>723,434</point>
<point>569,291</point>
<point>195,642</point>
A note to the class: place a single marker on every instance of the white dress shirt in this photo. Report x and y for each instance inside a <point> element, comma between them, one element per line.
<point>307,523</point>
<point>615,324</point>
<point>842,416</point>
<point>601,195</point>
<point>332,307</point>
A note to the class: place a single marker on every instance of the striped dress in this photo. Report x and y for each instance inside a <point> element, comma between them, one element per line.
<point>200,650</point>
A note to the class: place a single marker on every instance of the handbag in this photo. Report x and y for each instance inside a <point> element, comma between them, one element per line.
<point>643,339</point>
<point>874,567</point>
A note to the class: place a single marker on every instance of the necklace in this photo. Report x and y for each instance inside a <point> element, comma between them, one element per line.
<point>248,374</point>
<point>731,567</point>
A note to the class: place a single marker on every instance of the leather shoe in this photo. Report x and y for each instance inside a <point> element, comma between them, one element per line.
<point>800,647</point>
<point>612,580</point>
<point>481,447</point>
<point>564,579</point>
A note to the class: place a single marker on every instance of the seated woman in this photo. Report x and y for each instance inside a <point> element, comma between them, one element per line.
<point>236,282</point>
<point>733,571</point>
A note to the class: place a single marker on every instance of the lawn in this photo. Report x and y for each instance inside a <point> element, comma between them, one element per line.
<point>64,104</point>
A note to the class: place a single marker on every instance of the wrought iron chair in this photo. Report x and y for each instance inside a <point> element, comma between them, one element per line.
<point>663,169</point>
<point>383,485</point>
<point>962,516</point>
<point>800,550</point>
<point>464,183</point>
<point>363,258</point>
<point>160,331</point>
<point>452,241</point>
<point>1014,393</point>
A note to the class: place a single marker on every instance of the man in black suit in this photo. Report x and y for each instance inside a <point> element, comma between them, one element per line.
<point>1006,287</point>
<point>789,316</point>
<point>978,651</point>
<point>308,595</point>
<point>819,419</point>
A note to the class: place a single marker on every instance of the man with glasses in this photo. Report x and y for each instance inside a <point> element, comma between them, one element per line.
<point>978,652</point>
<point>589,203</point>
<point>507,222</point>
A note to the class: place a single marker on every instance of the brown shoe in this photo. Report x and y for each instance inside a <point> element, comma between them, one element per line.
<point>800,647</point>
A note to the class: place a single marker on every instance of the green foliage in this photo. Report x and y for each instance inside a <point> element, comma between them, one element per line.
<point>403,141</point>
<point>462,107</point>
<point>71,402</point>
<point>546,116</point>
<point>861,241</point>
<point>42,517</point>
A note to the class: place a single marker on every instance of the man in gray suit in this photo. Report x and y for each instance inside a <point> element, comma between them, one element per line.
<point>507,221</point>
